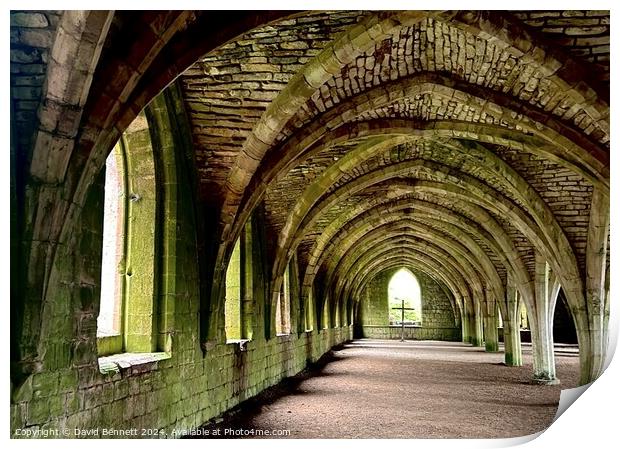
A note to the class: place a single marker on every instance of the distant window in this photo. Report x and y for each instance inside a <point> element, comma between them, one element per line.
<point>404,292</point>
<point>283,306</point>
<point>523,321</point>
<point>325,323</point>
<point>309,313</point>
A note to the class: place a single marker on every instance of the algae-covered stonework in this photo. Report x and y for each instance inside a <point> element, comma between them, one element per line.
<point>276,169</point>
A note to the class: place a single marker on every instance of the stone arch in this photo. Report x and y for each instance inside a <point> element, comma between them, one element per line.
<point>464,303</point>
<point>481,192</point>
<point>394,225</point>
<point>101,96</point>
<point>355,41</point>
<point>455,285</point>
<point>336,231</point>
<point>522,189</point>
<point>406,168</point>
<point>472,299</point>
<point>494,236</point>
<point>436,261</point>
<point>234,205</point>
<point>331,128</point>
<point>465,197</point>
<point>406,225</point>
<point>329,62</point>
<point>458,270</point>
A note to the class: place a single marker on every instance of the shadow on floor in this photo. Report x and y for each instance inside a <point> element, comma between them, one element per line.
<point>238,417</point>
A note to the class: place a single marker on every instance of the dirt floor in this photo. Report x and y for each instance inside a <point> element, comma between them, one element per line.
<point>421,389</point>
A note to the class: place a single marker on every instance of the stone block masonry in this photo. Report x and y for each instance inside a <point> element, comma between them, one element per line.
<point>413,333</point>
<point>337,147</point>
<point>166,393</point>
<point>32,36</point>
<point>165,398</point>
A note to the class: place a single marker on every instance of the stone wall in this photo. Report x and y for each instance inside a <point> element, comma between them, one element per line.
<point>436,309</point>
<point>259,104</point>
<point>168,396</point>
<point>170,391</point>
<point>32,36</point>
<point>413,333</point>
<point>374,306</point>
<point>438,321</point>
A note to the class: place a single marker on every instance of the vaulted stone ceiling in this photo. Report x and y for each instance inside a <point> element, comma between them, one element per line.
<point>465,140</point>
<point>473,146</point>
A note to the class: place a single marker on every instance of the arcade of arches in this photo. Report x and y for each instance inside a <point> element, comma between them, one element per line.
<point>270,172</point>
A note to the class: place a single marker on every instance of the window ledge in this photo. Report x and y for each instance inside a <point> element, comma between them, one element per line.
<point>242,343</point>
<point>118,362</point>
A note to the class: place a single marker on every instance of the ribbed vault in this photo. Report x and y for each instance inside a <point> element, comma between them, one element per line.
<point>470,145</point>
<point>274,170</point>
<point>461,143</point>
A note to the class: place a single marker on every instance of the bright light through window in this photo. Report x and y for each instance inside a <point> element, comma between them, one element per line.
<point>404,286</point>
<point>109,319</point>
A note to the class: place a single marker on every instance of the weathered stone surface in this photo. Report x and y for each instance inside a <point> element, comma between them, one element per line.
<point>29,20</point>
<point>39,38</point>
<point>471,147</point>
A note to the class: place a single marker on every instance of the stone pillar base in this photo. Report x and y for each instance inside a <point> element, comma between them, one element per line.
<point>476,341</point>
<point>545,381</point>
<point>509,360</point>
<point>491,347</point>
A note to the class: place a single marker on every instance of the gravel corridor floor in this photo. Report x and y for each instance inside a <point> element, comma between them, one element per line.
<point>413,389</point>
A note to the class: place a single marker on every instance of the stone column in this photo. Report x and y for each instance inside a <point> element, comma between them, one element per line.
<point>491,340</point>
<point>546,287</point>
<point>513,355</point>
<point>593,343</point>
<point>476,332</point>
<point>466,318</point>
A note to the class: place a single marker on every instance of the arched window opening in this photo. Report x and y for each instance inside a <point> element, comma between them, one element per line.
<point>283,305</point>
<point>127,318</point>
<point>523,319</point>
<point>232,303</point>
<point>335,313</point>
<point>325,323</point>
<point>138,248</point>
<point>404,299</point>
<point>309,312</point>
<point>110,310</point>
<point>238,306</point>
